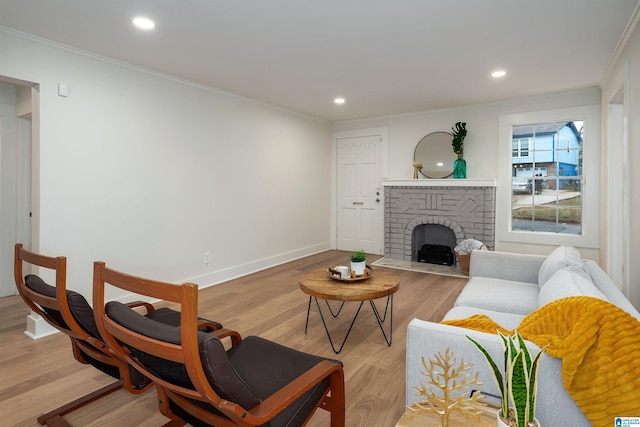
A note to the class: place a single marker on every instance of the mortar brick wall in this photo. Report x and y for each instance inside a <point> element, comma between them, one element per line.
<point>468,211</point>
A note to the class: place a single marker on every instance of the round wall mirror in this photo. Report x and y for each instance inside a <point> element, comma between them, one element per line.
<point>436,154</point>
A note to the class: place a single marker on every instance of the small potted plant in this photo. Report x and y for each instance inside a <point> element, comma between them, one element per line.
<point>358,262</point>
<point>518,384</point>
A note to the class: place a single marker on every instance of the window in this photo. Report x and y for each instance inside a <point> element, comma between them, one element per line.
<point>552,155</point>
<point>521,147</point>
<point>546,185</point>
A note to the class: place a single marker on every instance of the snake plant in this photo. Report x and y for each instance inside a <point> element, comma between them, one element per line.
<point>459,133</point>
<point>519,382</point>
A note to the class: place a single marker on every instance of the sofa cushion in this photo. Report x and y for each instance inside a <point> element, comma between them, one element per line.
<point>568,282</point>
<point>561,257</point>
<point>506,296</point>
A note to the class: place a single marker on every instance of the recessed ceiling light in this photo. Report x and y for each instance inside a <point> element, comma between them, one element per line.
<point>498,74</point>
<point>144,23</point>
<point>339,101</point>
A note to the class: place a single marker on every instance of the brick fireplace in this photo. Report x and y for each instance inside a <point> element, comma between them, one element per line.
<point>465,206</point>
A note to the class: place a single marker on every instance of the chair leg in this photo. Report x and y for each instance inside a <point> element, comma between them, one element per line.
<point>336,383</point>
<point>54,418</point>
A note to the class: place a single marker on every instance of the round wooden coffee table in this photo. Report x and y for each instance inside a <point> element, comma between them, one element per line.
<point>318,285</point>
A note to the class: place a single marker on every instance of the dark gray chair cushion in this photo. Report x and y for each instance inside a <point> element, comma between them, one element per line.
<point>83,314</point>
<point>171,317</point>
<point>223,378</point>
<point>247,374</point>
<point>78,305</point>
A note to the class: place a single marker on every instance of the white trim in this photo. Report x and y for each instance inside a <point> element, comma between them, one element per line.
<point>37,327</point>
<point>622,43</point>
<point>439,183</point>
<point>590,237</point>
<point>626,150</point>
<point>615,188</point>
<point>23,181</point>
<point>239,270</point>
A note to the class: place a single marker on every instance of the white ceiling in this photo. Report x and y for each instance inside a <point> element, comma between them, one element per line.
<point>384,56</point>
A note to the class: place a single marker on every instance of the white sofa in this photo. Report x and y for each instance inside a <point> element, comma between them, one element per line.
<point>506,287</point>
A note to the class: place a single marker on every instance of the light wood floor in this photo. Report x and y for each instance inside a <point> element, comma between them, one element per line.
<point>37,376</point>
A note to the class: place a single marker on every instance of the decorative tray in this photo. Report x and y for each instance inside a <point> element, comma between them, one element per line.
<point>335,274</point>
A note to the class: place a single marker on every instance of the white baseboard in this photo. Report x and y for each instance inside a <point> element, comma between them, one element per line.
<point>240,270</point>
<point>37,327</point>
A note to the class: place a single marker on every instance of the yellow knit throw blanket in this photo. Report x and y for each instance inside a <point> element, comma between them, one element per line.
<point>599,345</point>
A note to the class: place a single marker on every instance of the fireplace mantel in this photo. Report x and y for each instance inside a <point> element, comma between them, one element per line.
<point>439,183</point>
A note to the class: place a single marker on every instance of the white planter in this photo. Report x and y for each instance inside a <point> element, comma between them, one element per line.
<point>500,422</point>
<point>503,424</point>
<point>358,267</point>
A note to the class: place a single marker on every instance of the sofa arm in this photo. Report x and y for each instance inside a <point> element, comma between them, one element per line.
<point>426,339</point>
<point>505,265</point>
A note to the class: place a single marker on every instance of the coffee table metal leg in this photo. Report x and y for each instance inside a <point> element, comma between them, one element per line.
<point>324,323</point>
<point>381,320</point>
<point>308,311</point>
<point>337,313</point>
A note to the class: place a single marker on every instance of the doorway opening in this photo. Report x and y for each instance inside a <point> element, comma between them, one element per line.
<point>18,130</point>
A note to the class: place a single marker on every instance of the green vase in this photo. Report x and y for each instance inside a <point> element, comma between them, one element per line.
<point>460,167</point>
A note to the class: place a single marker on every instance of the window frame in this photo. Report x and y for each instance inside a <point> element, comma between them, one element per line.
<point>590,237</point>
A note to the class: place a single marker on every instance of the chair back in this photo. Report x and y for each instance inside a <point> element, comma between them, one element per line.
<point>169,355</point>
<point>198,379</point>
<point>63,309</point>
<point>70,313</point>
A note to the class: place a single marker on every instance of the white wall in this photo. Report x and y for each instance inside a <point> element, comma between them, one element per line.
<point>481,143</point>
<point>628,57</point>
<point>147,172</point>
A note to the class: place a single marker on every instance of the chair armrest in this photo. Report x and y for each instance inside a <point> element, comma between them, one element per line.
<point>293,390</point>
<point>149,307</point>
<point>206,325</point>
<point>506,265</point>
<point>224,333</point>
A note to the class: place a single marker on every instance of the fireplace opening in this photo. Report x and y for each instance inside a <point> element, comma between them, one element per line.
<point>433,243</point>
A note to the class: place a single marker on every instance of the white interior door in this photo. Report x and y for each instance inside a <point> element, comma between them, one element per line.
<point>359,194</point>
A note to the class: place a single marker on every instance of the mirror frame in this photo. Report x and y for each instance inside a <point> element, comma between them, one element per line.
<point>436,144</point>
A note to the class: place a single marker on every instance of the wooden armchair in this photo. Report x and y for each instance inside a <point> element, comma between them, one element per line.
<point>69,312</point>
<point>255,382</point>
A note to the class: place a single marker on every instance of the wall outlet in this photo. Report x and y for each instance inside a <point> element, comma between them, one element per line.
<point>63,90</point>
<point>207,258</point>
